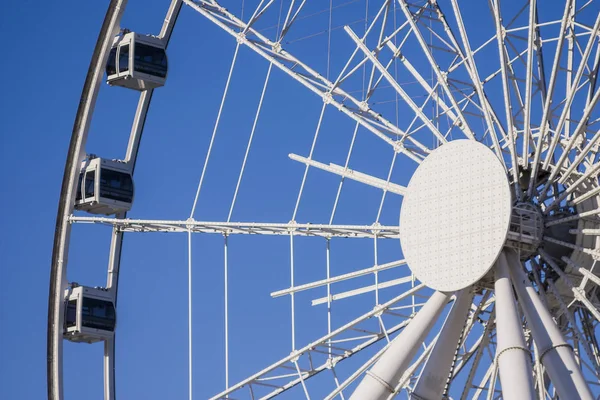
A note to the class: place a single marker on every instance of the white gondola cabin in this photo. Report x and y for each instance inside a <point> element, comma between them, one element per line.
<point>89,315</point>
<point>137,62</point>
<point>105,187</point>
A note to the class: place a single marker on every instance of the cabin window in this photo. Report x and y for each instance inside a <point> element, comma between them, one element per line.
<point>78,194</point>
<point>111,67</point>
<point>124,58</point>
<point>98,314</point>
<point>71,314</point>
<point>116,185</point>
<point>89,184</point>
<point>150,60</point>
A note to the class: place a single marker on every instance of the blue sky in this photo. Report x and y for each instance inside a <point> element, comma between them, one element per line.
<point>53,44</point>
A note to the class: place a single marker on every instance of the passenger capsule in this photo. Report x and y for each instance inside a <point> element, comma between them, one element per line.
<point>105,187</point>
<point>137,62</point>
<point>89,315</point>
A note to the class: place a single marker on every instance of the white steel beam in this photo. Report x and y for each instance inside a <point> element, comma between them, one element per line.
<point>504,66</point>
<point>362,290</point>
<point>381,380</point>
<point>555,354</point>
<point>529,80</point>
<point>512,354</point>
<point>245,228</point>
<point>549,96</point>
<point>435,373</point>
<point>339,278</point>
<point>595,212</point>
<point>351,174</point>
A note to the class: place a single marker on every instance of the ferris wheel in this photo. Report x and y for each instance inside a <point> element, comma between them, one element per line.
<point>443,216</point>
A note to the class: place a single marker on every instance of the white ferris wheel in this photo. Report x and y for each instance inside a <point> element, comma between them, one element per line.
<point>441,219</point>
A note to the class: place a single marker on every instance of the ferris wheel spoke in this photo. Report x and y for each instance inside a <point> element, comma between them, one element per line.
<point>531,36</point>
<point>407,99</point>
<point>302,73</point>
<point>591,171</point>
<point>342,341</point>
<point>585,272</point>
<point>549,96</point>
<point>441,77</point>
<point>574,89</point>
<point>476,81</point>
<point>362,290</point>
<point>245,228</point>
<point>558,168</point>
<point>507,105</point>
<point>340,278</point>
<point>432,92</point>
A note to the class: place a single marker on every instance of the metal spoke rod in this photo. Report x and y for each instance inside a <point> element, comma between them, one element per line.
<point>339,278</point>
<point>351,174</point>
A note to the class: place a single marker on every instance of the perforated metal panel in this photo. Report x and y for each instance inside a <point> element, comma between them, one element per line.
<point>455,215</point>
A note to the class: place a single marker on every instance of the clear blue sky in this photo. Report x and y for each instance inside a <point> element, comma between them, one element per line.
<point>47,51</point>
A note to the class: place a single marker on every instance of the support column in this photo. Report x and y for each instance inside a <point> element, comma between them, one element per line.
<point>435,373</point>
<point>555,354</point>
<point>512,354</point>
<point>379,382</point>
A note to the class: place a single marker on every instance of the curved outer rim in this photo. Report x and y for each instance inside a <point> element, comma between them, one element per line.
<point>58,281</point>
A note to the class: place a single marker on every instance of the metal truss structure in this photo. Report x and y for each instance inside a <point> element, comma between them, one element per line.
<point>418,77</point>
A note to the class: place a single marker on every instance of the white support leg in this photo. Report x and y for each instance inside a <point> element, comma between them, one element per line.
<point>380,381</point>
<point>435,373</point>
<point>555,354</point>
<point>512,353</point>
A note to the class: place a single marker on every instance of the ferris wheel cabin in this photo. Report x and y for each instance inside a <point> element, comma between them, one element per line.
<point>137,62</point>
<point>105,187</point>
<point>89,315</point>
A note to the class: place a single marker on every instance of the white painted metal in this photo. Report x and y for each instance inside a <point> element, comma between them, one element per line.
<point>446,238</point>
<point>351,174</point>
<point>381,380</point>
<point>246,228</point>
<point>340,278</point>
<point>512,353</point>
<point>555,354</point>
<point>437,369</point>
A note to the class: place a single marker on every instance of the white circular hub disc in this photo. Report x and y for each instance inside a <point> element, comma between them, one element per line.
<point>455,215</point>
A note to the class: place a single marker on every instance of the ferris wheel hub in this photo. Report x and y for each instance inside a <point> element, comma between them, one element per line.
<point>455,215</point>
